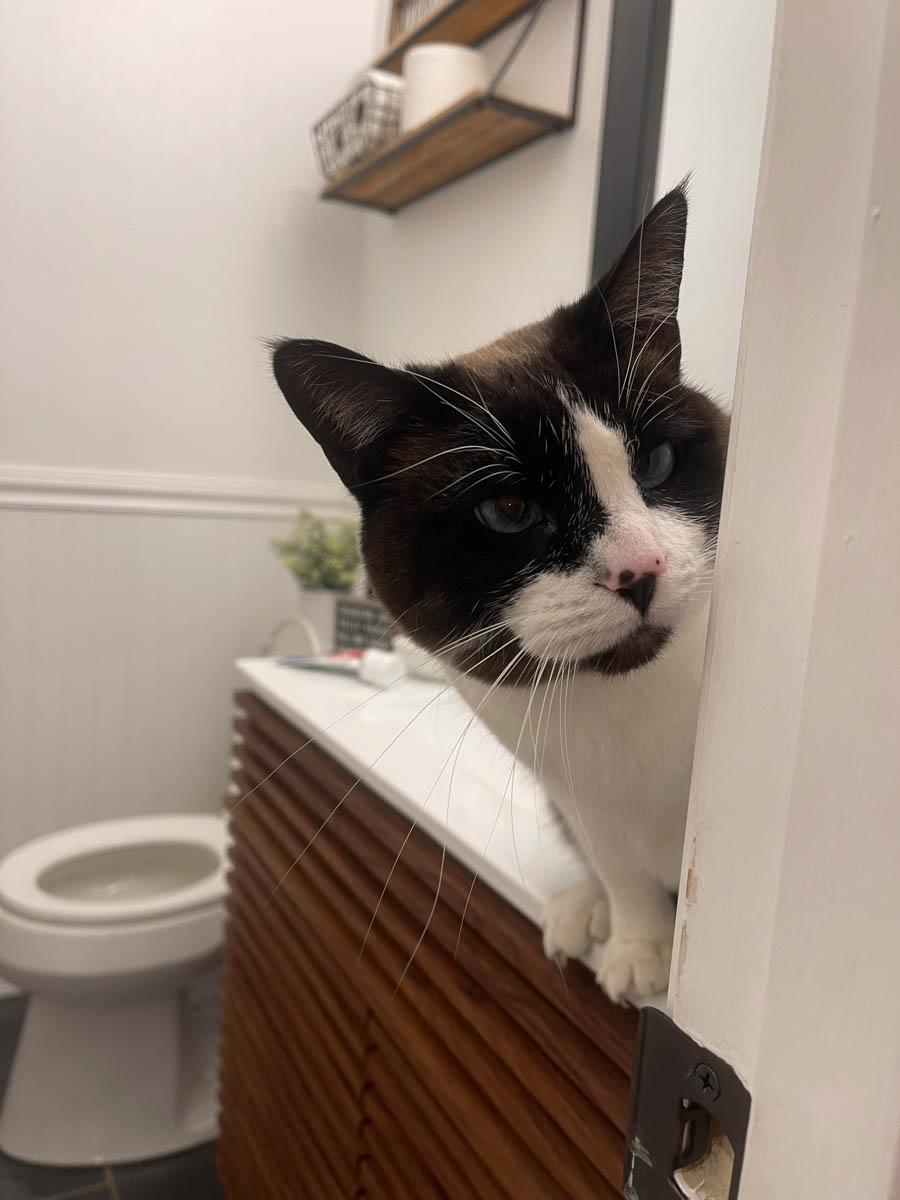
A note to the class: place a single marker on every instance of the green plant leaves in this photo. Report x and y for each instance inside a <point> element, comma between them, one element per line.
<point>322,554</point>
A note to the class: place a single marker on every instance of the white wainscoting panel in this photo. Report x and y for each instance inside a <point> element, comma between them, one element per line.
<point>123,603</point>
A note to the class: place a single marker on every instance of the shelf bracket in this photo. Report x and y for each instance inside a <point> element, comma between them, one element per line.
<point>516,47</point>
<point>518,44</point>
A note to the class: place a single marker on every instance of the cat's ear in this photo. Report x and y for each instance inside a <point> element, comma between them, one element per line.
<point>346,401</point>
<point>638,298</point>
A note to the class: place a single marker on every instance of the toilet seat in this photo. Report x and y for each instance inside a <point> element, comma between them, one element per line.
<point>197,843</point>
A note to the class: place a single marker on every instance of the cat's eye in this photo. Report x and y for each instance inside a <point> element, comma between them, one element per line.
<point>509,513</point>
<point>655,467</point>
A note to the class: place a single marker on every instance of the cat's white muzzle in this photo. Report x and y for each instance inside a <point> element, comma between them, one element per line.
<point>566,616</point>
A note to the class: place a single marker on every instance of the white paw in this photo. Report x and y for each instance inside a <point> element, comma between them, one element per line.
<point>575,917</point>
<point>632,968</point>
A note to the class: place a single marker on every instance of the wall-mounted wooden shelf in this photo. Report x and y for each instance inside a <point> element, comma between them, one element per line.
<point>464,21</point>
<point>475,131</point>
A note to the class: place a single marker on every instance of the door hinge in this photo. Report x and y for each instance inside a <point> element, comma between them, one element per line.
<point>689,1113</point>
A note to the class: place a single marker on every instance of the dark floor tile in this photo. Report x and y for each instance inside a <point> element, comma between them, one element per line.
<point>23,1181</point>
<point>12,1014</point>
<point>101,1192</point>
<point>188,1176</point>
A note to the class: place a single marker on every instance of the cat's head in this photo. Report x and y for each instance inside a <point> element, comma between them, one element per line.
<point>552,498</point>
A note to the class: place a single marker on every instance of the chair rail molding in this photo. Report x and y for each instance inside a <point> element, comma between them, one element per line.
<point>78,489</point>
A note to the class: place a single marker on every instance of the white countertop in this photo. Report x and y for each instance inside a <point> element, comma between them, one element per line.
<point>417,745</point>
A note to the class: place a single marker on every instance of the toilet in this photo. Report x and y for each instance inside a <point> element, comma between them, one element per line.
<point>115,930</point>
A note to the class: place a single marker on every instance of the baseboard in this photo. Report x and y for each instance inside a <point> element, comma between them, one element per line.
<point>69,489</point>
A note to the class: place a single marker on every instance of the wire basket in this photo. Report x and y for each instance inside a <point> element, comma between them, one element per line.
<point>408,14</point>
<point>365,119</point>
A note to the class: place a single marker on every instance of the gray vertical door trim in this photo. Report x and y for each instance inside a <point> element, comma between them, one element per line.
<point>630,137</point>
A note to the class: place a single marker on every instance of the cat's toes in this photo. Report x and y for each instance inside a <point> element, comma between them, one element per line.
<point>633,968</point>
<point>598,925</point>
<point>573,918</point>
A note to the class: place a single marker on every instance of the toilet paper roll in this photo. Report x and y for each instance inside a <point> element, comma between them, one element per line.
<point>437,75</point>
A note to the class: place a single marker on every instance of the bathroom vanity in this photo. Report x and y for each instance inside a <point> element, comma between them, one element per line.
<point>473,1069</point>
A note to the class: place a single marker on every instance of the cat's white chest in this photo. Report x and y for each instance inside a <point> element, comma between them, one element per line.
<point>613,754</point>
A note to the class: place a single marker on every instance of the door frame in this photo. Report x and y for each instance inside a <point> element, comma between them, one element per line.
<point>787,949</point>
<point>629,139</point>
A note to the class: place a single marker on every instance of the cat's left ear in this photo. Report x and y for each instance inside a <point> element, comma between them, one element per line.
<point>638,298</point>
<point>347,402</point>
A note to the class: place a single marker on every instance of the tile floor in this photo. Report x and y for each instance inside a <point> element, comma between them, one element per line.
<point>187,1176</point>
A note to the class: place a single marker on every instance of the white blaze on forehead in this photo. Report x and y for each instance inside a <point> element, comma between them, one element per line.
<point>607,460</point>
<point>631,540</point>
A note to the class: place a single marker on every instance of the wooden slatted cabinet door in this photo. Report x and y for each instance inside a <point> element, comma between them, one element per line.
<point>482,1075</point>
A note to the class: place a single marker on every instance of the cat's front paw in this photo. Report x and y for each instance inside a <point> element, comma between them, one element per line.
<point>574,918</point>
<point>637,967</point>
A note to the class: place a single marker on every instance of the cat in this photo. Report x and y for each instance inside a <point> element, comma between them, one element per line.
<point>542,513</point>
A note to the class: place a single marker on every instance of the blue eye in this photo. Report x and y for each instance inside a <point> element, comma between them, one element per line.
<point>655,468</point>
<point>509,514</point>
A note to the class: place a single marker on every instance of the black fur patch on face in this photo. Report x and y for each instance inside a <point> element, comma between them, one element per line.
<point>636,651</point>
<point>428,555</point>
<point>422,448</point>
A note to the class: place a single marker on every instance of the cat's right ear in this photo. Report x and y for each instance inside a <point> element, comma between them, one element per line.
<point>346,401</point>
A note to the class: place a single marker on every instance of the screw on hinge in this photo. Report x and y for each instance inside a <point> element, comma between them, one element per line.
<point>708,1080</point>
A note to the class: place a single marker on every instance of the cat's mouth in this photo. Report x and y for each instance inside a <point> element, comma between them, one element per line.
<point>633,651</point>
<point>515,667</point>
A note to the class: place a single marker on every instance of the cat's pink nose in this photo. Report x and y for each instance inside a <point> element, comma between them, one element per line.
<point>635,577</point>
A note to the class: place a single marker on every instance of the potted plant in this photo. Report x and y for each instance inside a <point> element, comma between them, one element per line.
<point>323,555</point>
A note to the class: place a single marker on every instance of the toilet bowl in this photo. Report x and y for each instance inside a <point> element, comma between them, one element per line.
<point>114,929</point>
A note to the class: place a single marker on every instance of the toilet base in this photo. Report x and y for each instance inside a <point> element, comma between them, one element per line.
<point>99,1081</point>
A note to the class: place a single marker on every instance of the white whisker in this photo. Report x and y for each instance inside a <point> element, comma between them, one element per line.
<point>430,458</point>
<point>484,467</point>
<point>437,890</point>
<point>377,759</point>
<point>629,382</point>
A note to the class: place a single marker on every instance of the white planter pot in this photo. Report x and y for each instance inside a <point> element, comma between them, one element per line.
<point>318,607</point>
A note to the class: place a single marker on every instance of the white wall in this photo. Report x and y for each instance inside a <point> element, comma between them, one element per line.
<point>497,249</point>
<point>158,217</point>
<point>717,81</point>
<point>119,635</point>
<point>789,960</point>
